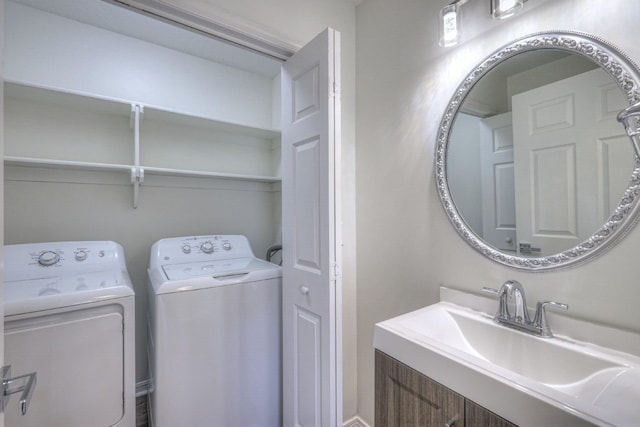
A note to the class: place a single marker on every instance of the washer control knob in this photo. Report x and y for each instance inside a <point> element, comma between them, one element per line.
<point>226,246</point>
<point>81,255</point>
<point>186,249</point>
<point>48,258</point>
<point>207,247</point>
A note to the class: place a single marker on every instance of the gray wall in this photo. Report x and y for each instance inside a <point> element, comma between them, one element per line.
<point>404,83</point>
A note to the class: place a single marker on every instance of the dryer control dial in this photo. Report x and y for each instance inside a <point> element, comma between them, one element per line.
<point>207,247</point>
<point>226,246</point>
<point>186,249</point>
<point>48,258</point>
<point>81,255</point>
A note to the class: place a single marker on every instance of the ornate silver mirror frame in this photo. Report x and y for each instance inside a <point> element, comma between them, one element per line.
<point>624,72</point>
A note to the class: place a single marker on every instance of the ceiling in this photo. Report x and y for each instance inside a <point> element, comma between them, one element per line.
<point>125,21</point>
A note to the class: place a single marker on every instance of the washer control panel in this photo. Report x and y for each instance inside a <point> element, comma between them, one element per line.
<point>179,250</point>
<point>37,260</point>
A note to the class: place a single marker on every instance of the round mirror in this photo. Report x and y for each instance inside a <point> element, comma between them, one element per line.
<point>532,167</point>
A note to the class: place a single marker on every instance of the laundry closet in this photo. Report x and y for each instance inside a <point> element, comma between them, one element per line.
<point>121,127</point>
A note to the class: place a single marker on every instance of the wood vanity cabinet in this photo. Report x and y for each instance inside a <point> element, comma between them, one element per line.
<point>406,398</point>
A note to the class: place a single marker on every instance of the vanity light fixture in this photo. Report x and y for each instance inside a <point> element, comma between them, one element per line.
<point>450,22</point>
<point>630,118</point>
<point>502,9</point>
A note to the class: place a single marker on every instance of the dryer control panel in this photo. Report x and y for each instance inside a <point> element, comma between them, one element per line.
<point>42,276</point>
<point>39,260</point>
<point>178,250</point>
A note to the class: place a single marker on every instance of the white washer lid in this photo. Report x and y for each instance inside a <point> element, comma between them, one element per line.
<point>202,275</point>
<point>215,268</point>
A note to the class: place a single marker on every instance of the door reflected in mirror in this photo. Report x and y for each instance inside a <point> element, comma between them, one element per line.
<point>534,161</point>
<point>533,152</point>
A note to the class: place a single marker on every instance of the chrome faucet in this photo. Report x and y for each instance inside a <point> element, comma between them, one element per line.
<point>513,311</point>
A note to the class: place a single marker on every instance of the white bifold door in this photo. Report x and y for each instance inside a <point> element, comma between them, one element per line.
<point>2,204</point>
<point>312,385</point>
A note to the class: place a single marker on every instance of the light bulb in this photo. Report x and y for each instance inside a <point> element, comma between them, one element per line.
<point>502,9</point>
<point>449,25</point>
<point>505,5</point>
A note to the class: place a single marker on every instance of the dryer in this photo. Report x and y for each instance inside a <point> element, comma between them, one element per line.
<point>214,334</point>
<point>69,316</point>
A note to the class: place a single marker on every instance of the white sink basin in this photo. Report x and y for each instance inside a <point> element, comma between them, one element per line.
<point>548,361</point>
<point>577,379</point>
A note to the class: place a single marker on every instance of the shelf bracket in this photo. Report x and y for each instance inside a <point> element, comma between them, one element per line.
<point>137,176</point>
<point>133,117</point>
<point>137,173</point>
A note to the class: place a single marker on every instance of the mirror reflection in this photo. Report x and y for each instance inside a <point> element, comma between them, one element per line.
<point>536,161</point>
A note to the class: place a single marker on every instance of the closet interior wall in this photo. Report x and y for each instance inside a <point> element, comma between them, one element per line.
<point>208,145</point>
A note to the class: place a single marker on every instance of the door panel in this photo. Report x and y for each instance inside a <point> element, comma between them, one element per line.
<point>554,189</point>
<point>307,367</point>
<point>307,160</point>
<point>306,95</point>
<point>567,138</point>
<point>312,390</point>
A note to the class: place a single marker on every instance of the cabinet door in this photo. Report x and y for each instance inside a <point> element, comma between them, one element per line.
<point>477,416</point>
<point>406,398</point>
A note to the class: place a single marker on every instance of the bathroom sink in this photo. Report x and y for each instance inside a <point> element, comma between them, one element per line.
<point>580,379</point>
<point>548,361</point>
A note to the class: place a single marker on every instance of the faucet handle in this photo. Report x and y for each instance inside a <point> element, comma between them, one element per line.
<point>490,290</point>
<point>540,318</point>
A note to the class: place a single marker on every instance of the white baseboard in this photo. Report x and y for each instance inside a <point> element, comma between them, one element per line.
<point>355,422</point>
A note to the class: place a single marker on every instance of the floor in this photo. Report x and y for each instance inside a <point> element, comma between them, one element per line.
<point>142,419</point>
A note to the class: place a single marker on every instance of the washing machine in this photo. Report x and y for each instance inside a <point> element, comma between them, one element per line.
<point>69,316</point>
<point>214,334</point>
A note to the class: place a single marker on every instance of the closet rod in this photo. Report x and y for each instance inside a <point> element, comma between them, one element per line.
<point>205,174</point>
<point>72,164</point>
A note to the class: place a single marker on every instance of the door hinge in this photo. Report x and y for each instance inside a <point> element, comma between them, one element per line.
<point>336,272</point>
<point>335,90</point>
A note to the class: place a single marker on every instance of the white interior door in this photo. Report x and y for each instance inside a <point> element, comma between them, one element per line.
<point>498,190</point>
<point>312,386</point>
<point>2,197</point>
<point>566,142</point>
